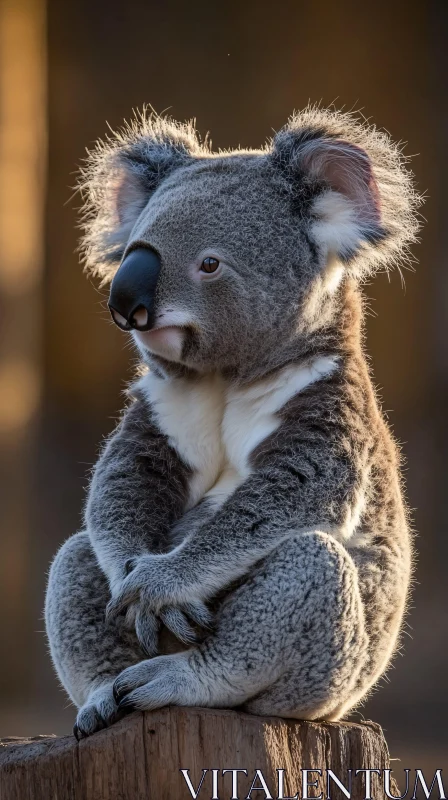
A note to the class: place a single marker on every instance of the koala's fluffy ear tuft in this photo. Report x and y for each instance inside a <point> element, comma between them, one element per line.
<point>351,183</point>
<point>118,179</point>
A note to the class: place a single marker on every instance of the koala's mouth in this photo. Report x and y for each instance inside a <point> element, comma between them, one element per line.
<point>165,341</point>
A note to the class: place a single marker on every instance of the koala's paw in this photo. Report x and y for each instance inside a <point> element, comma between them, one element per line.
<point>149,594</point>
<point>161,681</point>
<point>97,713</point>
<point>157,581</point>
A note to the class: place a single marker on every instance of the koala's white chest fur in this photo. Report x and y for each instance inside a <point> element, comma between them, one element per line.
<point>215,427</point>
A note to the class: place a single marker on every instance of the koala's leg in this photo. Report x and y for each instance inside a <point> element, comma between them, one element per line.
<point>290,641</point>
<point>88,653</point>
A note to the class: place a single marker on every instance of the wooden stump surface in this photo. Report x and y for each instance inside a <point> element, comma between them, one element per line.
<point>140,758</point>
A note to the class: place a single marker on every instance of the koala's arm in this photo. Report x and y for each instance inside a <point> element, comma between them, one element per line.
<point>304,479</point>
<point>138,490</point>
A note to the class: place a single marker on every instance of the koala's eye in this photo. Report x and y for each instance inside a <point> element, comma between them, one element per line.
<point>209,264</point>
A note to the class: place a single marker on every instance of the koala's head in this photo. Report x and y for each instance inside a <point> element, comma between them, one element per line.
<point>218,260</point>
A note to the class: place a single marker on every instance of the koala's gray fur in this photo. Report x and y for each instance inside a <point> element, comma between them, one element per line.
<point>246,517</point>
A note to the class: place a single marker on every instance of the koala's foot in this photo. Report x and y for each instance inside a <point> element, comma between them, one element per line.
<point>97,713</point>
<point>161,681</point>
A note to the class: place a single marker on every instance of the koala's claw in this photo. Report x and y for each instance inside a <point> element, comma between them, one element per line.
<point>130,565</point>
<point>147,629</point>
<point>115,607</point>
<point>116,693</point>
<point>147,625</point>
<point>176,621</point>
<point>97,713</point>
<point>126,705</point>
<point>77,732</point>
<point>200,614</point>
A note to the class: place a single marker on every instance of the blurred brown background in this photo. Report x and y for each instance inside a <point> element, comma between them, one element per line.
<point>240,69</point>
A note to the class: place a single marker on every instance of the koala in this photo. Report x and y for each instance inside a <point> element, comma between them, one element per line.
<point>246,540</point>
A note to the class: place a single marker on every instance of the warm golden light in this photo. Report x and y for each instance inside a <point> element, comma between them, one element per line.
<point>19,394</point>
<point>22,159</point>
<point>22,208</point>
<point>22,143</point>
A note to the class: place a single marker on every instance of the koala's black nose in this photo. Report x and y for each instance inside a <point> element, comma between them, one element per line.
<point>131,299</point>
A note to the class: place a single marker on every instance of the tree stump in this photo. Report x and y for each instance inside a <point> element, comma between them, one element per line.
<point>143,755</point>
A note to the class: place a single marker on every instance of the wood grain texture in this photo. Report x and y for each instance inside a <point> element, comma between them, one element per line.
<point>140,758</point>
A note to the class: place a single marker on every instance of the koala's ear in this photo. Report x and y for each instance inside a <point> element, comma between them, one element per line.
<point>350,183</point>
<point>119,177</point>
